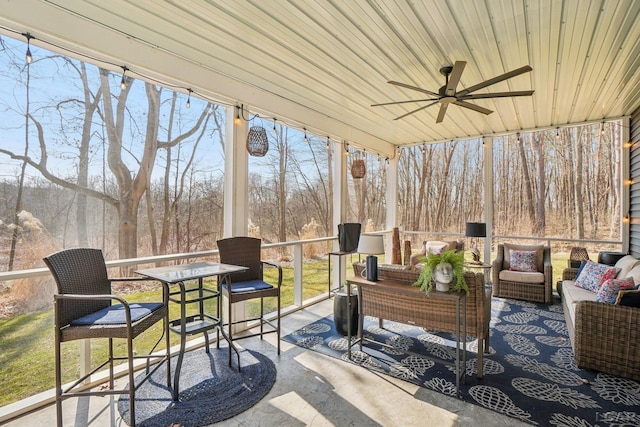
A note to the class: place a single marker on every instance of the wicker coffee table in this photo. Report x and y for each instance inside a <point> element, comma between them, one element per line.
<point>387,300</point>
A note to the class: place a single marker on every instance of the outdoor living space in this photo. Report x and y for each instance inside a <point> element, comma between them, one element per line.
<point>176,176</point>
<point>311,389</point>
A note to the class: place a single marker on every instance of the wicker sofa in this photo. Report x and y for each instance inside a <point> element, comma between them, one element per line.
<point>478,304</point>
<point>605,337</point>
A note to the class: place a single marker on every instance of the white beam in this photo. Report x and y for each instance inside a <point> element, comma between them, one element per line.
<point>487,157</point>
<point>236,173</point>
<point>391,198</point>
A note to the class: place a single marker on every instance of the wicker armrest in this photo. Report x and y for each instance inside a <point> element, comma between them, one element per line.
<point>569,274</point>
<point>274,265</point>
<point>607,338</point>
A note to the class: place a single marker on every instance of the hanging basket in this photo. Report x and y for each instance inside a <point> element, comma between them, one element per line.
<point>358,169</point>
<point>257,141</point>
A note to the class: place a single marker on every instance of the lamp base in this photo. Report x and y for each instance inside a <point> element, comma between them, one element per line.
<point>372,268</point>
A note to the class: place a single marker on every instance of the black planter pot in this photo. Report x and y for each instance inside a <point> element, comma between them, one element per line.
<point>341,313</point>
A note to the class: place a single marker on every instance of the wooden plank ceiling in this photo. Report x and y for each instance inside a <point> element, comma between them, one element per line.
<point>321,64</point>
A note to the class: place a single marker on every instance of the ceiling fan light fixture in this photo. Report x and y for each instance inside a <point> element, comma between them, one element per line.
<point>448,93</point>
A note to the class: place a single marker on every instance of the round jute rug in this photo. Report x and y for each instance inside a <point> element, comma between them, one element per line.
<point>210,390</point>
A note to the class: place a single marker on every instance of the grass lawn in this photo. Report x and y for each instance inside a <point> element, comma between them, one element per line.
<point>27,356</point>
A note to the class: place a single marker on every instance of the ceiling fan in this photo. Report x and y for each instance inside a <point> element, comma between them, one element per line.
<point>447,94</point>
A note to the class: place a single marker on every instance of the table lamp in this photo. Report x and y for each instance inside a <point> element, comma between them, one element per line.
<point>476,229</point>
<point>371,245</point>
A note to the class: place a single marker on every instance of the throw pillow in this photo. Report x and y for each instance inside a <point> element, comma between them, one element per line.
<point>629,298</point>
<point>594,274</point>
<point>625,264</point>
<point>539,249</point>
<point>608,291</point>
<point>523,261</point>
<point>435,247</point>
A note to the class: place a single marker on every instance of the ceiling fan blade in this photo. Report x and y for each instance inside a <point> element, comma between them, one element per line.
<point>419,89</point>
<point>454,77</point>
<point>415,111</point>
<point>473,107</point>
<point>404,102</point>
<point>497,95</point>
<point>495,80</point>
<point>442,112</point>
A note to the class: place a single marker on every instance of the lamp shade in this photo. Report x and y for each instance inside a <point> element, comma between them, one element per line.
<point>476,229</point>
<point>370,244</point>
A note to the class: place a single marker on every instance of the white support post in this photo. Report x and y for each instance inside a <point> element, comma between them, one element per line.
<point>236,191</point>
<point>298,255</point>
<point>487,158</point>
<point>85,358</point>
<point>625,185</point>
<point>391,197</point>
<point>339,207</point>
<point>236,175</point>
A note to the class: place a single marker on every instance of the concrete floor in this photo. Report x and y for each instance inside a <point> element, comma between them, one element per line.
<point>311,390</point>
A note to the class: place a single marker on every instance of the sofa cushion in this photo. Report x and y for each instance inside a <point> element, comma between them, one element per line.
<point>625,264</point>
<point>521,276</point>
<point>608,291</point>
<point>523,261</point>
<point>635,273</point>
<point>571,295</point>
<point>629,298</point>
<point>594,274</point>
<point>539,249</point>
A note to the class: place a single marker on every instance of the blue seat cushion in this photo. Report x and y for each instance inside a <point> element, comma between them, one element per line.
<point>248,286</point>
<point>115,314</point>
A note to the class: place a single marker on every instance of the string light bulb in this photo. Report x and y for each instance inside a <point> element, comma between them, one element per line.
<point>28,56</point>
<point>346,147</point>
<point>557,133</point>
<point>518,136</point>
<point>189,98</point>
<point>328,140</point>
<point>275,130</point>
<point>123,82</point>
<point>602,128</point>
<point>424,148</point>
<point>237,119</point>
<point>305,135</point>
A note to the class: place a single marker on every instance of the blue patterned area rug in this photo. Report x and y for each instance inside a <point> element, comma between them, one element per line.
<point>530,373</point>
<point>210,390</point>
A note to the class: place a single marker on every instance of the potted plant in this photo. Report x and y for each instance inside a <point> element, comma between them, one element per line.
<point>447,262</point>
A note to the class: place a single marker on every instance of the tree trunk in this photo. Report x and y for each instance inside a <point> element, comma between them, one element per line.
<point>577,188</point>
<point>528,185</point>
<point>540,223</point>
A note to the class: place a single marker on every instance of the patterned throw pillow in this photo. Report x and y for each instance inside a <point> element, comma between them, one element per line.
<point>523,261</point>
<point>608,291</point>
<point>594,274</point>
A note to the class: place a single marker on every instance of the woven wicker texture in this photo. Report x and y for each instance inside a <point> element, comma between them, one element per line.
<point>245,251</point>
<point>358,169</point>
<point>411,305</point>
<point>607,338</point>
<point>522,290</point>
<point>82,271</point>
<point>84,288</point>
<point>257,141</point>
